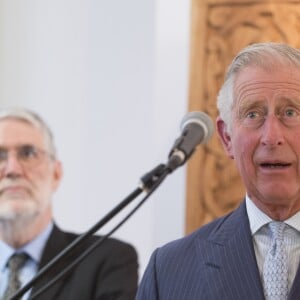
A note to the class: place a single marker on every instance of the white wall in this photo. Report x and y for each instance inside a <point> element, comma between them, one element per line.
<point>110,77</point>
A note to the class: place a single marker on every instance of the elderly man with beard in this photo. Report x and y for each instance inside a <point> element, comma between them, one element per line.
<point>29,175</point>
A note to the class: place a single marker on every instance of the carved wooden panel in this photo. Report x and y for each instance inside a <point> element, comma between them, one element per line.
<point>219,30</point>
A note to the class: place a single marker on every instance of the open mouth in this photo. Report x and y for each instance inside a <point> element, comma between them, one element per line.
<point>275,165</point>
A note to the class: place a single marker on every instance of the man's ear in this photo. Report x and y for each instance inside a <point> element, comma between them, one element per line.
<point>224,137</point>
<point>57,174</point>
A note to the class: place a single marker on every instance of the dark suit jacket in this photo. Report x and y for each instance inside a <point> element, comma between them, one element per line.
<point>215,262</point>
<point>108,273</point>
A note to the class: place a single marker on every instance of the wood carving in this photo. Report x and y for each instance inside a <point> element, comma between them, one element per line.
<point>219,30</point>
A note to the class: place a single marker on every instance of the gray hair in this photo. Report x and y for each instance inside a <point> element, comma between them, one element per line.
<point>33,119</point>
<point>264,55</point>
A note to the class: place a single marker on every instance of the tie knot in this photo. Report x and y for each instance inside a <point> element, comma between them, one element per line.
<point>277,229</point>
<point>16,261</point>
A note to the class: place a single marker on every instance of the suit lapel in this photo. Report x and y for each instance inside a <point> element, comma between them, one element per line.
<point>229,260</point>
<point>55,245</point>
<point>295,290</point>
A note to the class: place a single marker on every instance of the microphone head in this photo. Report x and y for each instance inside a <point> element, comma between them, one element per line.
<point>203,120</point>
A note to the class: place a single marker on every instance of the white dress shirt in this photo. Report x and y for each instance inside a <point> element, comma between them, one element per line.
<point>262,240</point>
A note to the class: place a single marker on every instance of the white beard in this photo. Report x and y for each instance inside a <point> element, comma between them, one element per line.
<point>13,211</point>
<point>18,225</point>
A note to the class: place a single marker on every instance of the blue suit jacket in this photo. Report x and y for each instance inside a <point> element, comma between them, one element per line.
<point>215,262</point>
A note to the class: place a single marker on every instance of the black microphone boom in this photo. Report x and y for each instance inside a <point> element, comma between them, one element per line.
<point>197,127</point>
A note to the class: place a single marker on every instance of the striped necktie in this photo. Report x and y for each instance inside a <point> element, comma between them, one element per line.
<point>15,263</point>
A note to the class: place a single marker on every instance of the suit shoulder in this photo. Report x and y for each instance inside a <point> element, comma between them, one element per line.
<point>108,246</point>
<point>185,243</point>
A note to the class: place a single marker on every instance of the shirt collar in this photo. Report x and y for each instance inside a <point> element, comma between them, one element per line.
<point>257,218</point>
<point>6,252</point>
<point>34,248</point>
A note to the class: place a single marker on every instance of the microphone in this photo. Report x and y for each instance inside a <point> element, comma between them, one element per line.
<point>197,127</point>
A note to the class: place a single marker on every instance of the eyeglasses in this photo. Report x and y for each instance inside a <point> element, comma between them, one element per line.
<point>28,156</point>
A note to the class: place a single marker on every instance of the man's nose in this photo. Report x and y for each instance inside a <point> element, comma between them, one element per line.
<point>273,131</point>
<point>12,166</point>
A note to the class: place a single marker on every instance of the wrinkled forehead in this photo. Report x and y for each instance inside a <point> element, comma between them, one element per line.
<point>254,79</point>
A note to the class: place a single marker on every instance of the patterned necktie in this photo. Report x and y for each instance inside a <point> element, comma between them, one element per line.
<point>275,272</point>
<point>15,263</point>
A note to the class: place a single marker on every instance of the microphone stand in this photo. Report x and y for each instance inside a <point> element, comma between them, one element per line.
<point>150,181</point>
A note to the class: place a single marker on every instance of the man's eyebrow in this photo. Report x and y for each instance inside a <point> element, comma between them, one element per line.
<point>293,100</point>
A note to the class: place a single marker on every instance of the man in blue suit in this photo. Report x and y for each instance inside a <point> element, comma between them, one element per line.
<point>233,256</point>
